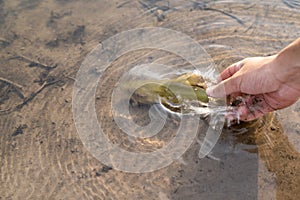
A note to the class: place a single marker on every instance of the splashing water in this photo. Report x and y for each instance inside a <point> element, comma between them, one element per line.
<point>205,109</point>
<point>196,108</point>
<point>218,110</point>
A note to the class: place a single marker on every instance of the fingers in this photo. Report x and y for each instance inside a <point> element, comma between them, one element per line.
<point>216,91</point>
<point>226,83</point>
<point>226,87</point>
<point>247,114</point>
<point>230,71</point>
<point>252,108</point>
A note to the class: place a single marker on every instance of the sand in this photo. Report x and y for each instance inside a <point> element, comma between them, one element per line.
<point>42,45</point>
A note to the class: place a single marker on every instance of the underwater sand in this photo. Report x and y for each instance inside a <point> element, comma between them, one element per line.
<point>42,45</point>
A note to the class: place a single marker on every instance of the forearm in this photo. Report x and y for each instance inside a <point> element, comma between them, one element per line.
<point>290,55</point>
<point>287,64</point>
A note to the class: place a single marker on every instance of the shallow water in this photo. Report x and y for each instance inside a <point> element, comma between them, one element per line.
<point>42,46</point>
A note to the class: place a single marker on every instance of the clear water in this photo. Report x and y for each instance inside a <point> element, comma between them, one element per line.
<point>42,47</point>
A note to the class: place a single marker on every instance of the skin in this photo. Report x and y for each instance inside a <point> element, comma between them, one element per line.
<point>266,83</point>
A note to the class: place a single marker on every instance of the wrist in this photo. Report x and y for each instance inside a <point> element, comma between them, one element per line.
<point>290,55</point>
<point>286,68</point>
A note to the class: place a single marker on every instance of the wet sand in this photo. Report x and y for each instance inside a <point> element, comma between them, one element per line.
<point>42,45</point>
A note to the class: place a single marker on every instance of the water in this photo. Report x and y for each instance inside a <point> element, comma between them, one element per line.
<point>42,46</point>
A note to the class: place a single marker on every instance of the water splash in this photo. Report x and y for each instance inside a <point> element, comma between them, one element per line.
<point>215,110</point>
<point>203,110</point>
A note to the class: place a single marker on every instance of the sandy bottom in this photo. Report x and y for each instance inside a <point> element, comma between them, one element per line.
<point>42,45</point>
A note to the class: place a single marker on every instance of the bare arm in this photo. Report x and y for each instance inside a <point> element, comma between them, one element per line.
<point>271,83</point>
<point>288,63</point>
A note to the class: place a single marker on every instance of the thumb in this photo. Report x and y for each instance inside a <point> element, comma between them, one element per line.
<point>224,88</point>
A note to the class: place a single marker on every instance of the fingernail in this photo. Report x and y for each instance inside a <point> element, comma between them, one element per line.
<point>239,65</point>
<point>213,91</point>
<point>209,91</point>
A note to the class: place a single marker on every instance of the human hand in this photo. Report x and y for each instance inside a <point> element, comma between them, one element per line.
<point>262,81</point>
